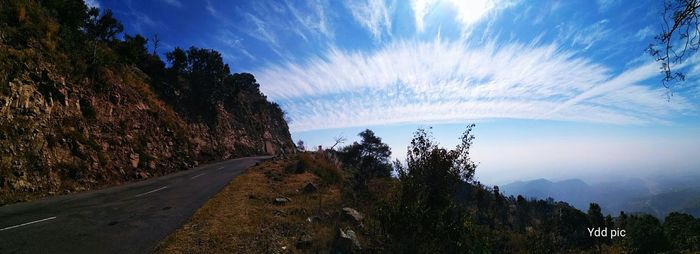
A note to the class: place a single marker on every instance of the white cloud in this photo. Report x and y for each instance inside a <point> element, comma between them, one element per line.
<point>590,35</point>
<point>214,12</point>
<point>93,3</point>
<point>644,33</point>
<point>235,42</point>
<point>373,15</point>
<point>314,21</point>
<point>410,82</point>
<point>468,13</point>
<point>175,3</point>
<point>605,5</point>
<point>421,8</point>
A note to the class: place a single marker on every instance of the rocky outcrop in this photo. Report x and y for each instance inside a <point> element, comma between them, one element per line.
<point>60,134</point>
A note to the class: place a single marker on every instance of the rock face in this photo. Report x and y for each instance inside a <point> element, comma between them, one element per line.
<point>346,242</point>
<point>352,215</point>
<point>62,132</point>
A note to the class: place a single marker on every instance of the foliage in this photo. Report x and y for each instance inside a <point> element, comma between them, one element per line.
<point>682,231</point>
<point>300,145</point>
<point>425,215</point>
<point>369,158</point>
<point>645,235</point>
<point>102,27</point>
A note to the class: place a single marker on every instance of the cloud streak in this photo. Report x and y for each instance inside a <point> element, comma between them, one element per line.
<point>373,15</point>
<point>438,81</point>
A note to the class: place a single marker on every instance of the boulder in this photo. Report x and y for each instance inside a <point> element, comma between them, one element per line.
<point>352,215</point>
<point>346,241</point>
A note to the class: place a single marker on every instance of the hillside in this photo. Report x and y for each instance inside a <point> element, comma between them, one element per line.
<point>334,202</point>
<point>630,195</point>
<point>81,108</point>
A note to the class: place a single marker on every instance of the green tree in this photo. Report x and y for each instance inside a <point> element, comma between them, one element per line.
<point>426,217</point>
<point>596,220</point>
<point>133,49</point>
<point>178,61</point>
<point>683,231</point>
<point>645,235</point>
<point>595,216</point>
<point>102,27</point>
<point>370,157</point>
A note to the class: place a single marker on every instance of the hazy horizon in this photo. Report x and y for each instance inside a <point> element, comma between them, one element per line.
<point>558,91</point>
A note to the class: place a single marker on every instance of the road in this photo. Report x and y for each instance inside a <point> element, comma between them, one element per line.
<point>130,218</point>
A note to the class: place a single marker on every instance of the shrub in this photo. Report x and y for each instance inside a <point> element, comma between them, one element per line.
<point>321,166</point>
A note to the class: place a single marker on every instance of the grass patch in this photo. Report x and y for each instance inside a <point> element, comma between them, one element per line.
<point>325,168</point>
<point>243,217</point>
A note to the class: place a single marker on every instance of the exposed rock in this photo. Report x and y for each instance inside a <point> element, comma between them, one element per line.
<point>281,201</point>
<point>135,159</point>
<point>346,241</point>
<point>92,130</point>
<point>352,215</point>
<point>309,188</point>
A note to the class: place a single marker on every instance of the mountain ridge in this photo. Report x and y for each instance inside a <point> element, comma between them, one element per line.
<point>629,195</point>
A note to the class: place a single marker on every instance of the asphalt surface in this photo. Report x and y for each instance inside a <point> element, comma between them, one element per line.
<point>130,218</point>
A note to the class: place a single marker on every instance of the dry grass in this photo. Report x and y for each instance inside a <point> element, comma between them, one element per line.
<point>243,218</point>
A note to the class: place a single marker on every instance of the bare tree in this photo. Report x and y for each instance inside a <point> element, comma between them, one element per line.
<point>679,38</point>
<point>338,140</point>
<point>156,42</point>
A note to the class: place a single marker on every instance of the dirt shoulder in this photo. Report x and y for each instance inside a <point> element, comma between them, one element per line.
<point>280,206</point>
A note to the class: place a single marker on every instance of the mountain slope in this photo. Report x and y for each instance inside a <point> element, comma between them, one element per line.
<point>77,111</point>
<point>630,195</point>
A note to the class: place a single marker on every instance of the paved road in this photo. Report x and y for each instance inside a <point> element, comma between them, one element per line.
<point>130,218</point>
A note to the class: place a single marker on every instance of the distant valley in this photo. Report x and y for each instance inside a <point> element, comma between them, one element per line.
<point>658,196</point>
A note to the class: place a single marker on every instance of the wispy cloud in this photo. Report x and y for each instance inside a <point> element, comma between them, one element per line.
<point>215,12</point>
<point>644,33</point>
<point>314,21</point>
<point>590,35</point>
<point>409,82</point>
<point>605,5</point>
<point>235,42</point>
<point>373,15</point>
<point>175,3</point>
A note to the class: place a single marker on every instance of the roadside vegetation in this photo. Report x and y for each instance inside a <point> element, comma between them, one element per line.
<point>428,204</point>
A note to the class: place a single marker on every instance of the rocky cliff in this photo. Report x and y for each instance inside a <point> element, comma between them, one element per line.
<point>75,114</point>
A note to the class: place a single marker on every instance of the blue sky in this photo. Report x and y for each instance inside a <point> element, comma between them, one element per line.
<point>558,89</point>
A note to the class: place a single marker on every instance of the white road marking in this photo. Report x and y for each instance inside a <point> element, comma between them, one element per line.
<point>146,193</point>
<point>198,175</point>
<point>220,168</point>
<point>28,223</point>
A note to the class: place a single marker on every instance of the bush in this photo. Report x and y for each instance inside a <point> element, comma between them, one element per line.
<point>425,216</point>
<point>321,166</point>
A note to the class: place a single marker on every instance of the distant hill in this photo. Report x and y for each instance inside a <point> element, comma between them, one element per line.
<point>659,197</point>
